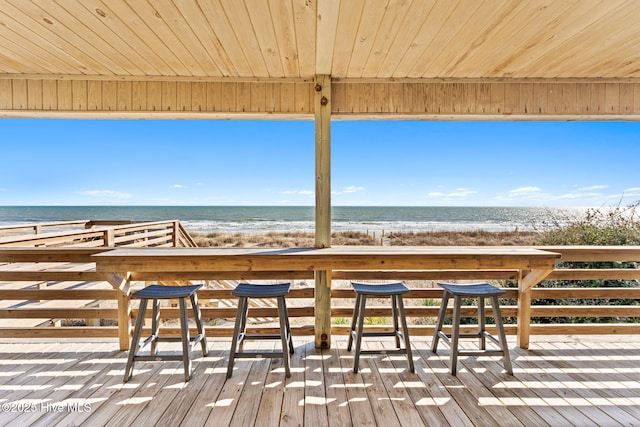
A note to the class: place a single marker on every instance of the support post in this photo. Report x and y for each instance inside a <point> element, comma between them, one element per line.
<point>526,281</point>
<point>322,105</point>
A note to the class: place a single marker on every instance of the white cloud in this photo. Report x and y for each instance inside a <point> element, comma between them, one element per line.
<point>299,192</point>
<point>524,191</point>
<point>593,187</point>
<point>178,186</point>
<point>634,191</point>
<point>106,194</point>
<point>457,193</point>
<point>353,189</point>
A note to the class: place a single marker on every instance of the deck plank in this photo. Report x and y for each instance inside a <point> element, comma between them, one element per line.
<point>560,382</point>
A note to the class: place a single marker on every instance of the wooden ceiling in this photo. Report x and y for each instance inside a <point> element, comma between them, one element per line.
<point>299,39</point>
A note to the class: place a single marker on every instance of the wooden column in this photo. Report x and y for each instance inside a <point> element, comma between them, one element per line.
<point>526,282</point>
<point>322,105</point>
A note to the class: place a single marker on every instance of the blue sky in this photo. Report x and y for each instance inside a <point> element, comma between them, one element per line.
<point>398,163</point>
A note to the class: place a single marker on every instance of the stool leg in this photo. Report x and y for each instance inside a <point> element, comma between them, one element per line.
<point>243,323</point>
<point>394,310</point>
<point>503,338</point>
<point>441,316</point>
<point>135,340</point>
<point>361,309</point>
<point>455,334</point>
<point>236,332</point>
<point>286,318</point>
<point>198,318</point>
<point>186,341</point>
<point>354,320</point>
<point>155,326</point>
<point>405,329</point>
<point>482,343</point>
<point>282,314</point>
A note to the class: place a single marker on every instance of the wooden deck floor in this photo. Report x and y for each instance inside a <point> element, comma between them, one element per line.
<point>575,381</point>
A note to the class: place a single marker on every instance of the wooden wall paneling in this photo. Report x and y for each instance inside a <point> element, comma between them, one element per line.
<point>49,95</point>
<point>154,96</point>
<point>583,98</point>
<point>109,95</point>
<point>20,97</point>
<point>409,99</point>
<point>228,99</point>
<point>6,94</point>
<point>496,102</point>
<point>483,98</point>
<point>272,97</point>
<point>198,96</point>
<point>381,98</point>
<point>626,98</point>
<point>243,97</point>
<point>65,95</point>
<point>443,93</point>
<point>511,98</point>
<point>124,96</point>
<point>463,97</point>
<point>353,98</point>
<point>541,93</point>
<point>169,96</point>
<point>302,99</point>
<point>527,101</point>
<point>287,97</point>
<point>597,98</point>
<point>258,95</point>
<point>79,95</point>
<point>183,96</point>
<point>395,97</point>
<point>139,96</point>
<point>569,98</point>
<point>367,98</point>
<point>214,96</point>
<point>636,97</point>
<point>429,102</point>
<point>612,98</point>
<point>34,94</point>
<point>339,97</point>
<point>554,98</point>
<point>94,95</point>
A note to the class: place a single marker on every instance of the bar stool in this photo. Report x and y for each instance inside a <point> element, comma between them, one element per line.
<point>156,293</point>
<point>246,291</point>
<point>479,291</point>
<point>380,290</point>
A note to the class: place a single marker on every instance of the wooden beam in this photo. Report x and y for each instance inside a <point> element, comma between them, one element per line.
<point>322,106</point>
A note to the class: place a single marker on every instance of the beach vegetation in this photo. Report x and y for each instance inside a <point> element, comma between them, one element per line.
<point>619,225</point>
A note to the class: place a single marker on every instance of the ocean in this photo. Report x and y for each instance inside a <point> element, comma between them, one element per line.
<point>257,219</point>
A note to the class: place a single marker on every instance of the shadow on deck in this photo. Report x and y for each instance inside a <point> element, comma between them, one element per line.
<point>558,382</point>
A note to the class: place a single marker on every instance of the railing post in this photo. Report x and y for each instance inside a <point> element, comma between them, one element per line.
<point>109,237</point>
<point>524,314</point>
<point>124,320</point>
<point>176,233</point>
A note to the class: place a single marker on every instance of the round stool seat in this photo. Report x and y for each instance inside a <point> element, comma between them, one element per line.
<point>261,291</point>
<point>384,289</point>
<point>474,289</point>
<point>165,292</point>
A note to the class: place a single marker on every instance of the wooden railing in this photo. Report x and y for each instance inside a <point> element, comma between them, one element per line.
<point>27,269</point>
<point>49,278</point>
<point>95,234</point>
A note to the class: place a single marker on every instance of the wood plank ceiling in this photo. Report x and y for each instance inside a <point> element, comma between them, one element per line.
<point>493,59</point>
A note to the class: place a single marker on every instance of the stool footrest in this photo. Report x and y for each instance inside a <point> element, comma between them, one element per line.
<point>177,357</point>
<point>258,354</point>
<point>378,334</point>
<point>256,337</point>
<point>480,352</point>
<point>385,351</point>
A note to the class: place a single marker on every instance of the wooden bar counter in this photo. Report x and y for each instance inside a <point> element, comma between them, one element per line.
<point>533,264</point>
